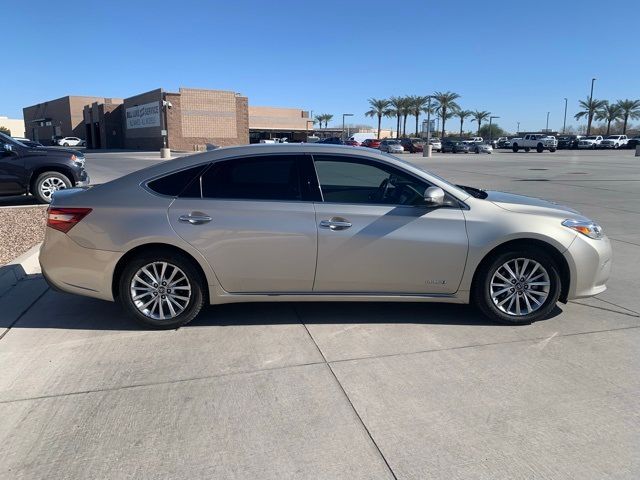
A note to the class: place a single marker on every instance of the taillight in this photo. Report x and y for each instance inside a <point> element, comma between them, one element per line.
<point>64,219</point>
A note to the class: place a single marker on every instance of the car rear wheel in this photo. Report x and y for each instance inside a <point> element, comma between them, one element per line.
<point>48,183</point>
<point>518,287</point>
<point>161,290</point>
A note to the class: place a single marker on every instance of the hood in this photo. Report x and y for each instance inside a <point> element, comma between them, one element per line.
<point>524,204</point>
<point>67,152</point>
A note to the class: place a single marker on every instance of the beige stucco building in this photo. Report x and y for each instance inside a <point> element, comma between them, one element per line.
<point>14,125</point>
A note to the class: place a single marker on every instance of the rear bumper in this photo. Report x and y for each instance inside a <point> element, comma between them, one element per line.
<point>590,266</point>
<point>68,267</point>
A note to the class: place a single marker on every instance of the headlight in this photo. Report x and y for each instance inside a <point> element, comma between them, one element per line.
<point>78,160</point>
<point>588,228</point>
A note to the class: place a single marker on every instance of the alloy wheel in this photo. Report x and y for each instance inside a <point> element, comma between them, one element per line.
<point>50,185</point>
<point>520,286</point>
<point>160,290</point>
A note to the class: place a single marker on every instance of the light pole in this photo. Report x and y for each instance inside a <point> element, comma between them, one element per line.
<point>593,80</point>
<point>547,129</point>
<point>345,115</point>
<point>564,125</point>
<point>426,151</point>
<point>518,127</point>
<point>490,130</point>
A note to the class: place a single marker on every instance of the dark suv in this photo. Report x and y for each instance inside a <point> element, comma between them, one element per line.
<point>412,145</point>
<point>39,171</point>
<point>568,141</point>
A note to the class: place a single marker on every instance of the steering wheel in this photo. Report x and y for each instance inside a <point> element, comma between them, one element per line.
<point>382,189</point>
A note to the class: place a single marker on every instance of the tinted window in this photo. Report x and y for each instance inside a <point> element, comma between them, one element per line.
<point>269,177</point>
<point>353,180</point>
<point>175,183</point>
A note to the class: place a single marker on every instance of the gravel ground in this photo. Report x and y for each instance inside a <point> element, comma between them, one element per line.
<point>20,229</point>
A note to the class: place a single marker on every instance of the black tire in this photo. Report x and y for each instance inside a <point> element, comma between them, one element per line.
<point>527,149</point>
<point>552,150</point>
<point>65,144</point>
<point>515,148</point>
<point>540,148</point>
<point>185,264</point>
<point>40,188</point>
<point>481,295</point>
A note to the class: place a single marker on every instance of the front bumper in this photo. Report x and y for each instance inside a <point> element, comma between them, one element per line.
<point>68,267</point>
<point>590,266</point>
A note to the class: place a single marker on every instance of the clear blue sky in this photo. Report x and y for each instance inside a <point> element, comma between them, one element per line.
<point>515,59</point>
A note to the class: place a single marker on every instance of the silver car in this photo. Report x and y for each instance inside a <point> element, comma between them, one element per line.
<point>308,222</point>
<point>391,146</point>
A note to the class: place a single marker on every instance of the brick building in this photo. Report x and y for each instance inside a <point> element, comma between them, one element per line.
<point>185,120</point>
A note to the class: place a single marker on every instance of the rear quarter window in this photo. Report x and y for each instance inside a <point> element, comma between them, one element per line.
<point>174,183</point>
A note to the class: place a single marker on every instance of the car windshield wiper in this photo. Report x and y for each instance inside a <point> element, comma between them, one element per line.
<point>474,192</point>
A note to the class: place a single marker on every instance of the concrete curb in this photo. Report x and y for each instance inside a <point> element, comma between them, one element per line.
<point>17,269</point>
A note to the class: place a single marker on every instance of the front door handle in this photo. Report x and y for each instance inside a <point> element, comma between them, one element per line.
<point>336,223</point>
<point>195,218</point>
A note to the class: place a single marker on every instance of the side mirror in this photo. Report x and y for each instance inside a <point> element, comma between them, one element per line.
<point>434,197</point>
<point>8,147</point>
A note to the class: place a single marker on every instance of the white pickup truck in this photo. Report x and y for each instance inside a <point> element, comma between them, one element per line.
<point>614,141</point>
<point>539,141</point>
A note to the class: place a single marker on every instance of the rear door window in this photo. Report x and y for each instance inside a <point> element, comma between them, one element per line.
<point>266,177</point>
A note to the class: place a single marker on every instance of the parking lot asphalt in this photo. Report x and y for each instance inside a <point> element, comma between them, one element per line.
<point>344,390</point>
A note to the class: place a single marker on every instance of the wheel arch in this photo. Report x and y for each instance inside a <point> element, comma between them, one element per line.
<point>67,172</point>
<point>524,243</point>
<point>156,247</point>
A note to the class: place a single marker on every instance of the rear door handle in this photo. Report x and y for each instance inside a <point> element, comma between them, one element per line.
<point>336,223</point>
<point>195,218</point>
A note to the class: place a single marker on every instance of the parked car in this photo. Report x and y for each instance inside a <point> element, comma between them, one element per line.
<point>503,142</point>
<point>454,146</point>
<point>263,223</point>
<point>371,143</point>
<point>539,141</point>
<point>55,139</point>
<point>568,141</point>
<point>27,142</point>
<point>412,145</point>
<point>39,171</point>
<point>352,143</point>
<point>482,148</point>
<point>391,146</point>
<point>633,142</point>
<point>614,141</point>
<point>332,141</point>
<point>436,144</point>
<point>592,142</point>
<point>71,142</point>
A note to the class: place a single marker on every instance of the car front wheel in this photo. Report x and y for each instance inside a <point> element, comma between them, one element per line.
<point>518,287</point>
<point>161,290</point>
<point>48,183</point>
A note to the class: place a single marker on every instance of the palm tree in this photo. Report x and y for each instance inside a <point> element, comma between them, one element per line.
<point>418,106</point>
<point>447,102</point>
<point>628,109</point>
<point>318,119</point>
<point>378,109</point>
<point>589,107</point>
<point>327,119</point>
<point>407,109</point>
<point>462,114</point>
<point>480,116</point>
<point>608,113</point>
<point>395,109</point>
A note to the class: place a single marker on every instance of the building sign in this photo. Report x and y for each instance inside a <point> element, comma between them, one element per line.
<point>143,116</point>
